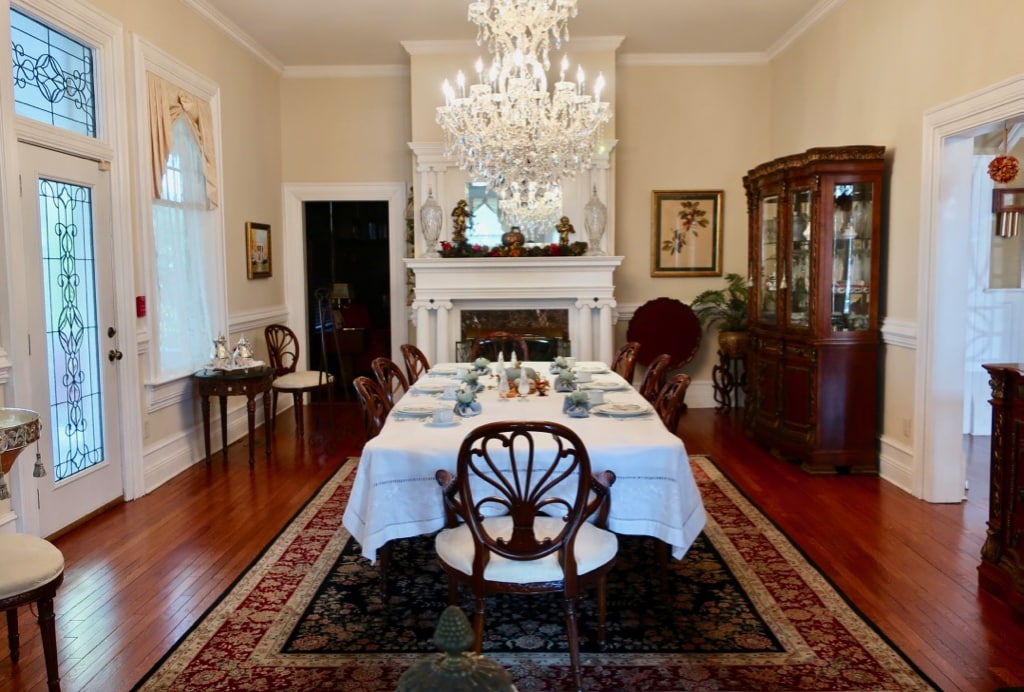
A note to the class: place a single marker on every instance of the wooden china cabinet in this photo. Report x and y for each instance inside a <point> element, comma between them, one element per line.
<point>812,369</point>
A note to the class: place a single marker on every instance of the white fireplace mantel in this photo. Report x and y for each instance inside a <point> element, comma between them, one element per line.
<point>583,286</point>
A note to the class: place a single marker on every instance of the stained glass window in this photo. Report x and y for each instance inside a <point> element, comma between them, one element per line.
<point>54,80</point>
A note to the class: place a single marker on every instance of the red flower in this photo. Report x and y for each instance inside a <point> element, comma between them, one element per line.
<point>1003,168</point>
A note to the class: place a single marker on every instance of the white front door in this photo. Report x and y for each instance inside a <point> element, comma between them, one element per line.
<point>74,356</point>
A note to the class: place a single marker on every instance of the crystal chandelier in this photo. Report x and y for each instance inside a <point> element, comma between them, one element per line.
<point>535,216</point>
<point>508,130</point>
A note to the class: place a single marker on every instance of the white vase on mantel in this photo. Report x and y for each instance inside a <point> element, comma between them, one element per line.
<point>595,218</point>
<point>431,219</point>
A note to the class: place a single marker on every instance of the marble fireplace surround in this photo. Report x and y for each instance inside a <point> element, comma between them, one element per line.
<point>582,286</point>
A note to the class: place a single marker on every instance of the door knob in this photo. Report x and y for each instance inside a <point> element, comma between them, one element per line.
<point>114,354</point>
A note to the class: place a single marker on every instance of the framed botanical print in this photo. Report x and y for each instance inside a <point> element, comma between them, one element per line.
<point>686,233</point>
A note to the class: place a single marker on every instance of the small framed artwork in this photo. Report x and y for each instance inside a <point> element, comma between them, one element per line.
<point>257,249</point>
<point>686,233</point>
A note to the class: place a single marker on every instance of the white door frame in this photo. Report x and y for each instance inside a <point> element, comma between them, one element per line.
<point>941,291</point>
<point>294,244</point>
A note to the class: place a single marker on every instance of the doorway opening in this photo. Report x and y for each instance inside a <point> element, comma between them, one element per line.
<point>347,261</point>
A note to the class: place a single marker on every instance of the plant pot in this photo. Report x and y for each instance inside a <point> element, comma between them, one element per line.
<point>733,344</point>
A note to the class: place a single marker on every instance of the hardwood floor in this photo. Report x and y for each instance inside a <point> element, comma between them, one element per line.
<point>139,575</point>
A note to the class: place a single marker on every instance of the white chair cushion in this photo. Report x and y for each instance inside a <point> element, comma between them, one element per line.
<point>28,563</point>
<point>594,548</point>
<point>302,379</point>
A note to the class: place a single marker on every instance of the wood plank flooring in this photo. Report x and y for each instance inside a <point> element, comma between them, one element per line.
<point>139,575</point>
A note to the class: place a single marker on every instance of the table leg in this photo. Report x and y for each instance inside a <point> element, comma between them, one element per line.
<point>250,409</point>
<point>205,405</point>
<point>224,425</point>
<point>268,429</point>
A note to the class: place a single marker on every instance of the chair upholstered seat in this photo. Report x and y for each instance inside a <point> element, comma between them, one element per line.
<point>29,563</point>
<point>594,548</point>
<point>32,571</point>
<point>302,379</point>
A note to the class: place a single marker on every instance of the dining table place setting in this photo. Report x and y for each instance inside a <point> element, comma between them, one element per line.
<point>394,494</point>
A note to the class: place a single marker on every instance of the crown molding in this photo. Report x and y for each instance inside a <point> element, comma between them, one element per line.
<point>813,16</point>
<point>589,44</point>
<point>214,16</point>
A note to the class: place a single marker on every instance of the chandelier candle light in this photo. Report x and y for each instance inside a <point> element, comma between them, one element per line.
<point>509,130</point>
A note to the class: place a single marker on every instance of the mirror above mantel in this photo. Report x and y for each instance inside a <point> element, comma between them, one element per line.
<point>437,173</point>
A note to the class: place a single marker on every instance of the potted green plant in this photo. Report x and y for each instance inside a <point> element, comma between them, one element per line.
<point>726,309</point>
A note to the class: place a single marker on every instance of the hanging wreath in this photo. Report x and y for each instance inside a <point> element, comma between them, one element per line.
<point>1004,167</point>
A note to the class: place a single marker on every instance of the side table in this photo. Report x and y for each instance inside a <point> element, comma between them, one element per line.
<point>729,378</point>
<point>225,383</point>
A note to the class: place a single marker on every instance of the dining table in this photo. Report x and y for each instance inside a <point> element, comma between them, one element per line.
<point>395,495</point>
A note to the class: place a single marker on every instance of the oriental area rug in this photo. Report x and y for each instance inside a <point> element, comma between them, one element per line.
<point>743,610</point>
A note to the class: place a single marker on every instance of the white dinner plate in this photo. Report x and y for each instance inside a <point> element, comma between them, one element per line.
<point>594,368</point>
<point>433,387</point>
<point>622,410</point>
<point>448,369</point>
<point>608,386</point>
<point>450,424</point>
<point>415,409</point>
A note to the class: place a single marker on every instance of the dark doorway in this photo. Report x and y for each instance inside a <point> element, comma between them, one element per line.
<point>347,257</point>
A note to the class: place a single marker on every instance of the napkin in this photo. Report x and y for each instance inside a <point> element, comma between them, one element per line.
<point>577,405</point>
<point>473,408</point>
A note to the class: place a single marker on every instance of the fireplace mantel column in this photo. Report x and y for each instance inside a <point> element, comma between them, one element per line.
<point>583,341</point>
<point>432,328</point>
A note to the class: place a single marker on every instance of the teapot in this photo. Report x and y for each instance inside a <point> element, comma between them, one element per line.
<point>243,352</point>
<point>220,350</point>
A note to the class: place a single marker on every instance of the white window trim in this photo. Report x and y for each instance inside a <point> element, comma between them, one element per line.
<point>149,58</point>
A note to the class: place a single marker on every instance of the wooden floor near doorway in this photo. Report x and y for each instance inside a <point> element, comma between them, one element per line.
<point>139,575</point>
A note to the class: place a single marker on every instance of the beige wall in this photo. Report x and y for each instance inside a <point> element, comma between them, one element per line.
<point>251,144</point>
<point>866,75</point>
<point>695,128</point>
<point>346,130</point>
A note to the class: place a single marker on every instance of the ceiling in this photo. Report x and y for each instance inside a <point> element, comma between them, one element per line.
<point>300,33</point>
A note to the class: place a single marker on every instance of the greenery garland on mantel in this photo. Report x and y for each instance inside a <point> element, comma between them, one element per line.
<point>465,249</point>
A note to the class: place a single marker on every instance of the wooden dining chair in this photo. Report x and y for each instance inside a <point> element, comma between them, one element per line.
<point>625,360</point>
<point>527,532</point>
<point>284,351</point>
<point>416,363</point>
<point>491,344</point>
<point>374,403</point>
<point>671,403</point>
<point>390,377</point>
<point>654,377</point>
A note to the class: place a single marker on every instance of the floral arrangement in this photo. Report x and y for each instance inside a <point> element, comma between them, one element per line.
<point>464,249</point>
<point>690,218</point>
<point>1003,168</point>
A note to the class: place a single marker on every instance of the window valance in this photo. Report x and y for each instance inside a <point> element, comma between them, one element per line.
<point>167,103</point>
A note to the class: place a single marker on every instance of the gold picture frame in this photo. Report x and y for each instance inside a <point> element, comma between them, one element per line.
<point>686,233</point>
<point>258,253</point>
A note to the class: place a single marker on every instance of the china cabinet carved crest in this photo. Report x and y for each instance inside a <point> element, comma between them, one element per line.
<point>812,370</point>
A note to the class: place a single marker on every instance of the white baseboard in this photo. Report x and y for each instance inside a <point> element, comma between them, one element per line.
<point>896,463</point>
<point>166,458</point>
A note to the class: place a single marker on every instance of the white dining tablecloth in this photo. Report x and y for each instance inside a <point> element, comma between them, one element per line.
<point>394,494</point>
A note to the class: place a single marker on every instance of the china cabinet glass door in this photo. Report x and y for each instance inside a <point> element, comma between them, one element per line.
<point>851,256</point>
<point>800,279</point>
<point>769,258</point>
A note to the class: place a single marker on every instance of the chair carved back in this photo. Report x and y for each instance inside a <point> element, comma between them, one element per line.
<point>526,469</point>
<point>491,344</point>
<point>282,348</point>
<point>374,403</point>
<point>391,378</point>
<point>654,377</point>
<point>416,363</point>
<point>670,403</point>
<point>625,360</point>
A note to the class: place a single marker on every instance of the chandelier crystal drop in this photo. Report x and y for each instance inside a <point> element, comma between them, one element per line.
<point>508,130</point>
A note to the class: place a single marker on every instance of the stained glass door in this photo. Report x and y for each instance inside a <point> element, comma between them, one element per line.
<point>73,340</point>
